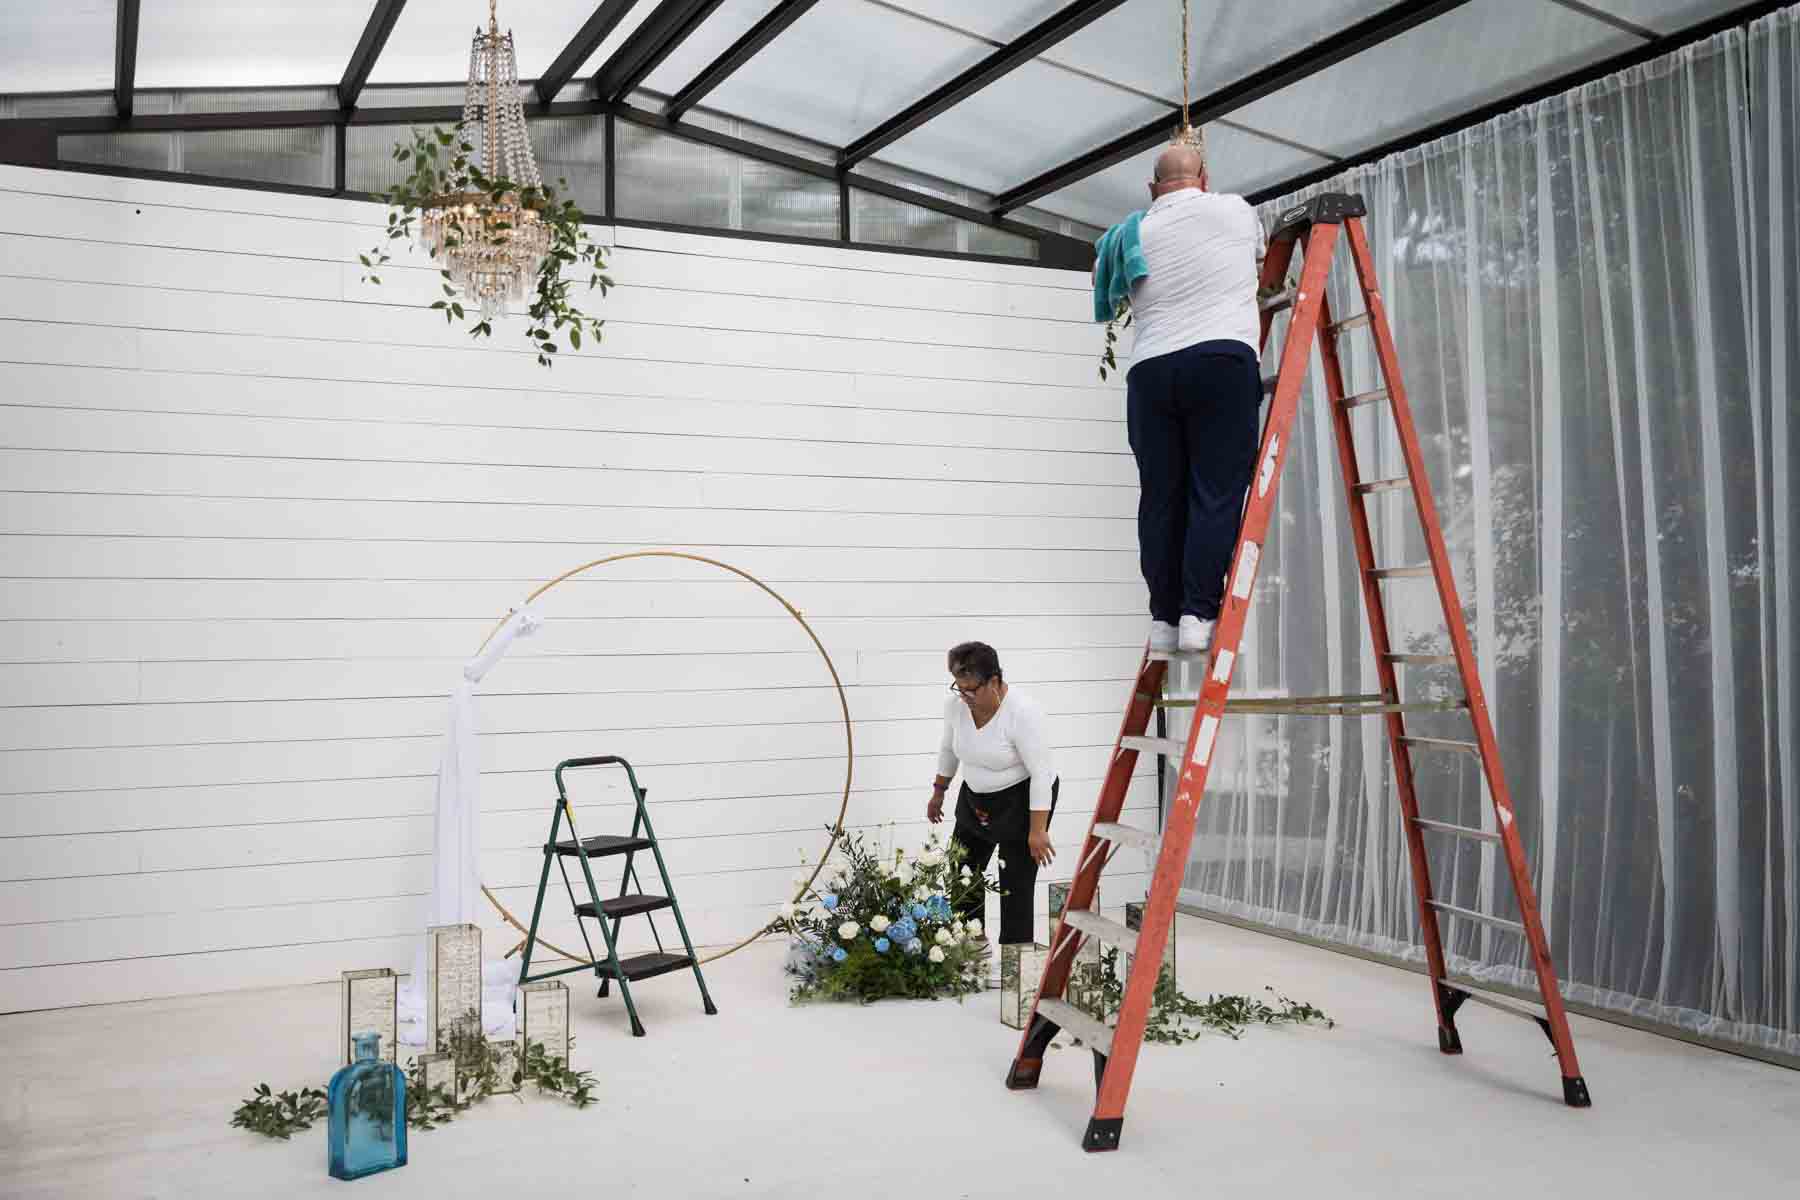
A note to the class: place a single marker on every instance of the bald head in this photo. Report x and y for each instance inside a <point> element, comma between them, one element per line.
<point>1179,162</point>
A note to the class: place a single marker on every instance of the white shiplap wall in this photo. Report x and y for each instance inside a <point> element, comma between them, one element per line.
<point>254,515</point>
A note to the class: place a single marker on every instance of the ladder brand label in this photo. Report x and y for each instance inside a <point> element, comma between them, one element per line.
<point>1222,665</point>
<point>1246,572</point>
<point>1209,729</point>
<point>1268,468</point>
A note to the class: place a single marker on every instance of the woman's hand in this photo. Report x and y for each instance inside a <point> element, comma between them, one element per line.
<point>934,811</point>
<point>1042,852</point>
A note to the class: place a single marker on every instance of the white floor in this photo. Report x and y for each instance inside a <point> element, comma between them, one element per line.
<point>906,1099</point>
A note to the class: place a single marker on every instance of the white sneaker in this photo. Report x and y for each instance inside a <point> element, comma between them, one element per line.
<point>1195,635</point>
<point>1163,636</point>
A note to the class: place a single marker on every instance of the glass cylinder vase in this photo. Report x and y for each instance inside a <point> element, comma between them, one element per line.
<point>1021,969</point>
<point>367,1114</point>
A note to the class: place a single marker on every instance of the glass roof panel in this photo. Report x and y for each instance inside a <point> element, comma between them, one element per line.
<point>1668,16</point>
<point>1138,45</point>
<point>198,43</point>
<point>1240,162</point>
<point>430,42</point>
<point>62,47</point>
<point>993,20</point>
<point>729,22</point>
<point>844,68</point>
<point>1472,55</point>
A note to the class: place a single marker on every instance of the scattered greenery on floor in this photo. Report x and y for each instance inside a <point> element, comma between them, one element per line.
<point>479,1074</point>
<point>1176,1017</point>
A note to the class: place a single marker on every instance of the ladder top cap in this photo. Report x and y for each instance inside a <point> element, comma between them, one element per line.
<point>1327,208</point>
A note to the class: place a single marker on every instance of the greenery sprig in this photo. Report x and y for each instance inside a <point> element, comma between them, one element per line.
<point>1121,320</point>
<point>553,1077</point>
<point>1176,1017</point>
<point>280,1115</point>
<point>442,165</point>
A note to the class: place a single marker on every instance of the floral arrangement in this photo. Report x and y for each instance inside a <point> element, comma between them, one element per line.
<point>877,924</point>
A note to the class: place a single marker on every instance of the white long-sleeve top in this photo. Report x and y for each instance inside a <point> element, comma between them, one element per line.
<point>1010,747</point>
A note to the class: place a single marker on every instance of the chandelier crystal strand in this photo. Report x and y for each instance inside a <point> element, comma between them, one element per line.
<point>492,248</point>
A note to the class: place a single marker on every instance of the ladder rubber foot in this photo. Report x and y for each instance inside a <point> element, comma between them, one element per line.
<point>1102,1134</point>
<point>637,1027</point>
<point>605,986</point>
<point>1023,1074</point>
<point>1449,1041</point>
<point>1575,1093</point>
<point>712,1010</point>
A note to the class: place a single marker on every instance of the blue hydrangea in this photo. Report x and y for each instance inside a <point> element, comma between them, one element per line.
<point>915,946</point>
<point>830,902</point>
<point>904,930</point>
<point>940,908</point>
<point>919,912</point>
<point>881,945</point>
<point>839,954</point>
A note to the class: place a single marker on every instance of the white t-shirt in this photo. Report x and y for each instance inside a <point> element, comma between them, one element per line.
<point>1010,747</point>
<point>1202,250</point>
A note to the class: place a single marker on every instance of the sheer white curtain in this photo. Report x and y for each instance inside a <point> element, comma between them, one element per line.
<point>1595,303</point>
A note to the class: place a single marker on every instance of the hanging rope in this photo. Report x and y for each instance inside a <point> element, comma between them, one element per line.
<point>837,827</point>
<point>1186,135</point>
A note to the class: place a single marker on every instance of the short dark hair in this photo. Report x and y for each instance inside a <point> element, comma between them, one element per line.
<point>975,658</point>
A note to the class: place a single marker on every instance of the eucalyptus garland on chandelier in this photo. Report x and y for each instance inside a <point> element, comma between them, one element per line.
<point>474,201</point>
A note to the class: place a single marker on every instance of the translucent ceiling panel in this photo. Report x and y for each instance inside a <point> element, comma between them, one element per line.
<point>1479,53</point>
<point>994,20</point>
<point>1031,120</point>
<point>1667,16</point>
<point>61,47</point>
<point>1240,162</point>
<point>430,42</point>
<point>843,68</point>
<point>201,43</point>
<point>729,22</point>
<point>1138,45</point>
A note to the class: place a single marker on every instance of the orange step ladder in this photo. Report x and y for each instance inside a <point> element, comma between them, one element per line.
<point>1315,228</point>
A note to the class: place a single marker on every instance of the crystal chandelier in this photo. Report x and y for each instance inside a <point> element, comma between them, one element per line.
<point>492,248</point>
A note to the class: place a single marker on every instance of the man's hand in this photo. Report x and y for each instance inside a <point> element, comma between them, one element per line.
<point>934,811</point>
<point>1042,852</point>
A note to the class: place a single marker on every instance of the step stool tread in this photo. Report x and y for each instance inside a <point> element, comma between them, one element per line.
<point>604,844</point>
<point>623,906</point>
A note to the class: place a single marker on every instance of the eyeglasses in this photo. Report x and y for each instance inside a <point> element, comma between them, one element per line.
<point>964,692</point>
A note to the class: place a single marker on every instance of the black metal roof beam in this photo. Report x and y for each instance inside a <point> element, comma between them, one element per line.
<point>368,49</point>
<point>1636,56</point>
<point>650,43</point>
<point>125,42</point>
<point>1006,59</point>
<point>740,52</point>
<point>1390,22</point>
<point>601,22</point>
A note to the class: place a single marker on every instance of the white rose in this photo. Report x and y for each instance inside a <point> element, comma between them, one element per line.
<point>880,924</point>
<point>904,874</point>
<point>943,937</point>
<point>848,930</point>
<point>966,873</point>
<point>957,926</point>
<point>974,928</point>
<point>936,955</point>
<point>921,893</point>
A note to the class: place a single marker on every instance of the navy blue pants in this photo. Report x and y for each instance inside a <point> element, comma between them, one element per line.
<point>1193,421</point>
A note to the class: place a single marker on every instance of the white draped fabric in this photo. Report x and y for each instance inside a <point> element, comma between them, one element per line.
<point>456,845</point>
<point>1595,300</point>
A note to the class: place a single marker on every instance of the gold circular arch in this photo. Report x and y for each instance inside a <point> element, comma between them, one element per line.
<point>837,826</point>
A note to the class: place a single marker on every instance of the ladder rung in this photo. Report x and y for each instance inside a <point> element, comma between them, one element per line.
<point>1451,744</point>
<point>1374,396</point>
<point>1423,660</point>
<point>1472,915</point>
<point>1280,300</point>
<point>1347,324</point>
<point>1172,747</point>
<point>1505,1004</point>
<point>1105,928</point>
<point>1400,483</point>
<point>1179,655</point>
<point>1249,697</point>
<point>1419,572</point>
<point>1344,710</point>
<point>1457,830</point>
<point>1128,835</point>
<point>1097,1034</point>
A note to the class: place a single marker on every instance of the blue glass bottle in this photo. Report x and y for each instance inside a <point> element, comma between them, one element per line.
<point>368,1113</point>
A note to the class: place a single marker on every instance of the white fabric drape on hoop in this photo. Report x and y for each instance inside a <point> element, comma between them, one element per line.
<point>1595,300</point>
<point>456,844</point>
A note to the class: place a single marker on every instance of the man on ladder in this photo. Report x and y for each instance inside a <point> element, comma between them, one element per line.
<point>1187,268</point>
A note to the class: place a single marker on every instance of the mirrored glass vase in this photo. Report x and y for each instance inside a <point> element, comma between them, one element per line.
<point>368,1003</point>
<point>1021,969</point>
<point>1086,973</point>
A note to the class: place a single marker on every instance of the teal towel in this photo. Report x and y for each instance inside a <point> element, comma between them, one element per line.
<point>1118,264</point>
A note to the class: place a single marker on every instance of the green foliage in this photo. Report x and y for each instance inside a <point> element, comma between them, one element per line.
<point>441,165</point>
<point>552,1076</point>
<point>1176,1017</point>
<point>882,893</point>
<point>1121,320</point>
<point>280,1115</point>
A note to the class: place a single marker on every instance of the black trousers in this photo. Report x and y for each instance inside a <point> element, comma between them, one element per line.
<point>1009,813</point>
<point>1193,421</point>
